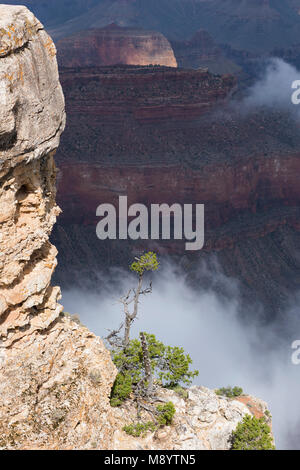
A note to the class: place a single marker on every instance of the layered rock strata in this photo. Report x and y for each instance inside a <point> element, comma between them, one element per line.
<point>115,45</point>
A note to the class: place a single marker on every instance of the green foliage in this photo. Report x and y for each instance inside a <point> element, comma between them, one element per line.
<point>175,366</point>
<point>121,389</point>
<point>268,414</point>
<point>230,392</point>
<point>181,391</point>
<point>252,434</point>
<point>169,364</point>
<point>147,262</point>
<point>166,413</point>
<point>139,429</point>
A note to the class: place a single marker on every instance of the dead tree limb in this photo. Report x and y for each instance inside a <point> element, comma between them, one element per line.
<point>147,364</point>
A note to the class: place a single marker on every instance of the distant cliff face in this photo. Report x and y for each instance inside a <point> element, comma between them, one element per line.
<point>252,25</point>
<point>115,45</point>
<point>163,135</point>
<point>202,51</point>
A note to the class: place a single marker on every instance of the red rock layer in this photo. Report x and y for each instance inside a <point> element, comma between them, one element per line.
<point>115,45</point>
<point>162,135</point>
<point>228,191</point>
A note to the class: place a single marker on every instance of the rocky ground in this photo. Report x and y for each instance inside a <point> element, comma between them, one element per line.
<point>203,421</point>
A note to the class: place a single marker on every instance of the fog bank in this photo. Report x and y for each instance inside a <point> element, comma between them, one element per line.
<point>226,350</point>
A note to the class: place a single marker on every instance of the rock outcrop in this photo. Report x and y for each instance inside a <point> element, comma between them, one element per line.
<point>203,421</point>
<point>115,45</point>
<point>55,375</point>
<point>52,370</point>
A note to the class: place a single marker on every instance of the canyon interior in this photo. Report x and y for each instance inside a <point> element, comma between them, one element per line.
<point>165,135</point>
<point>55,375</point>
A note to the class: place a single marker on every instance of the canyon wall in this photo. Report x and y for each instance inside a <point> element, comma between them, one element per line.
<point>202,51</point>
<point>160,135</point>
<point>115,45</point>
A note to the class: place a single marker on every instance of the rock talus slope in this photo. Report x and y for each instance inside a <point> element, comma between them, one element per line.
<point>55,375</point>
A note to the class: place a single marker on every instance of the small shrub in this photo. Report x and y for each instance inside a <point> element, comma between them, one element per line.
<point>181,391</point>
<point>268,414</point>
<point>139,429</point>
<point>147,262</point>
<point>166,413</point>
<point>252,434</point>
<point>230,392</point>
<point>121,389</point>
<point>175,367</point>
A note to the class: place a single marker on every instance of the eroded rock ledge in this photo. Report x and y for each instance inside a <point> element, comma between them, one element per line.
<point>55,375</point>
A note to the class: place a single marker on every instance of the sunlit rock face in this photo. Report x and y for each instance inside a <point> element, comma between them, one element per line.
<point>32,119</point>
<point>55,376</point>
<point>115,45</point>
<point>203,421</point>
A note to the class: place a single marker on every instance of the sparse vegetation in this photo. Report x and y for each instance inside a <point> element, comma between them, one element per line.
<point>139,429</point>
<point>145,362</point>
<point>164,417</point>
<point>252,434</point>
<point>268,414</point>
<point>122,389</point>
<point>166,413</point>
<point>181,391</point>
<point>169,365</point>
<point>229,392</point>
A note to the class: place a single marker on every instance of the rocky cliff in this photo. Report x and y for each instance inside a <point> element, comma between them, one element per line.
<point>115,45</point>
<point>55,375</point>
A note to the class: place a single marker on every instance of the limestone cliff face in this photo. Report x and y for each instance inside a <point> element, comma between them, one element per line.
<point>32,118</point>
<point>115,45</point>
<point>52,370</point>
